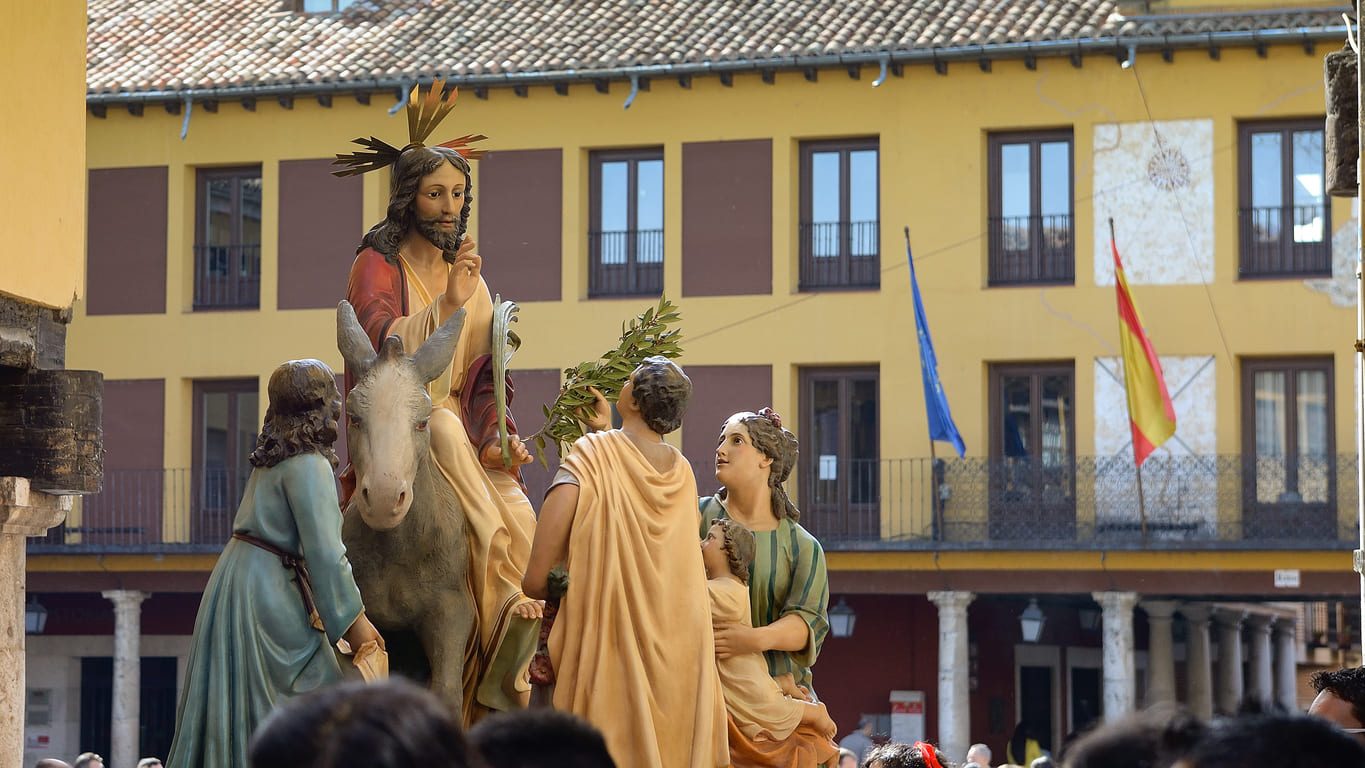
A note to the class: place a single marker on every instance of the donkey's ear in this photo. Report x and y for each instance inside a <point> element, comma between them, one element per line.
<point>435,353</point>
<point>355,346</point>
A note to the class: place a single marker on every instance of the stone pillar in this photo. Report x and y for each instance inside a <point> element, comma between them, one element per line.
<point>1286,664</point>
<point>1160,653</point>
<point>1260,685</point>
<point>23,512</point>
<point>1119,669</point>
<point>1229,623</point>
<point>954,717</point>
<point>1198,661</point>
<point>127,675</point>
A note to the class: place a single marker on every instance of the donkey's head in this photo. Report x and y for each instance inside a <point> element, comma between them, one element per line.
<point>388,410</point>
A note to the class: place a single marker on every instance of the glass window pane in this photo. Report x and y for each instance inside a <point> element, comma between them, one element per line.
<point>1056,418</point>
<point>317,6</point>
<point>214,450</point>
<point>825,440</point>
<point>1267,186</point>
<point>1054,169</point>
<point>218,212</point>
<point>862,442</point>
<point>1314,464</point>
<point>613,200</point>
<point>1014,180</point>
<point>251,211</point>
<point>824,187</point>
<point>1016,419</point>
<point>1308,199</point>
<point>862,202</point>
<point>1270,417</point>
<point>649,211</point>
<point>246,440</point>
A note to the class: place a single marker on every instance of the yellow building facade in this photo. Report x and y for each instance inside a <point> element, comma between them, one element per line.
<point>1005,158</point>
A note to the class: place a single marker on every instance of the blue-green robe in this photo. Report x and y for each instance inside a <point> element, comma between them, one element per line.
<point>253,643</point>
<point>787,577</point>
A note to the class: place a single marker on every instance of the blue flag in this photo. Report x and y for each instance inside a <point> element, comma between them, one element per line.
<point>941,426</point>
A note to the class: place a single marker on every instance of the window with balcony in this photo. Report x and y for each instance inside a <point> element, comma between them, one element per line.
<point>1284,220</point>
<point>1030,227</point>
<point>1288,444</point>
<point>839,233</point>
<point>840,476</point>
<point>226,423</point>
<point>1033,451</point>
<point>626,230</point>
<point>227,241</point>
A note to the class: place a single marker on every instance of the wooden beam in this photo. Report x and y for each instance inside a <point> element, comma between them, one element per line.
<point>941,67</point>
<point>812,74</point>
<point>325,100</point>
<point>135,108</point>
<point>985,64</point>
<point>52,422</point>
<point>520,90</point>
<point>602,86</point>
<point>727,79</point>
<point>769,76</point>
<point>1030,61</point>
<point>562,88</point>
<point>285,100</point>
<point>171,107</point>
<point>362,97</point>
<point>685,81</point>
<point>249,103</point>
<point>481,92</point>
<point>99,110</point>
<point>210,106</point>
<point>855,72</point>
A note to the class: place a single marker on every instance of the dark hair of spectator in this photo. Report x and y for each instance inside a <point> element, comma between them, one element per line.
<point>1274,741</point>
<point>391,724</point>
<point>901,756</point>
<point>1346,684</point>
<point>1150,739</point>
<point>539,738</point>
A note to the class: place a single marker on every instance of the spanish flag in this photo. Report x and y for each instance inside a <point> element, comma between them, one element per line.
<point>1150,412</point>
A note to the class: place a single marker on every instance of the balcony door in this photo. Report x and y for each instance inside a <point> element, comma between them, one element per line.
<point>840,477</point>
<point>226,422</point>
<point>1288,446</point>
<point>1033,451</point>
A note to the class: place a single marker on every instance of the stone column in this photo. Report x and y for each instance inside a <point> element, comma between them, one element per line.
<point>1160,653</point>
<point>1198,661</point>
<point>1260,686</point>
<point>1286,664</point>
<point>127,675</point>
<point>954,717</point>
<point>23,512</point>
<point>1119,669</point>
<point>1229,623</point>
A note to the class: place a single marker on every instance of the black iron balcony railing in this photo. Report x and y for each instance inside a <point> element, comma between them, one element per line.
<point>227,276</point>
<point>626,263</point>
<point>1284,241</point>
<point>1191,502</point>
<point>840,254</point>
<point>1032,249</point>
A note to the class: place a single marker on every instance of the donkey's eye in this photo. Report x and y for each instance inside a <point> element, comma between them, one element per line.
<point>422,425</point>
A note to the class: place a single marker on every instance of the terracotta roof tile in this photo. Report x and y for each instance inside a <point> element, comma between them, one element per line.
<point>141,45</point>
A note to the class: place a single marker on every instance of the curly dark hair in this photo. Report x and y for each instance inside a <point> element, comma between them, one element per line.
<point>739,545</point>
<point>896,755</point>
<point>412,165</point>
<point>303,413</point>
<point>1346,684</point>
<point>769,437</point>
<point>662,392</point>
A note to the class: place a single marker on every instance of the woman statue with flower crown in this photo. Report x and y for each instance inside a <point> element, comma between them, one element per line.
<point>788,587</point>
<point>413,270</point>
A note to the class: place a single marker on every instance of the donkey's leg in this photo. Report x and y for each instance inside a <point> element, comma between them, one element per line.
<point>446,632</point>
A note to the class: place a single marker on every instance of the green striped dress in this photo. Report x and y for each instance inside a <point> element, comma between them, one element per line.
<point>787,576</point>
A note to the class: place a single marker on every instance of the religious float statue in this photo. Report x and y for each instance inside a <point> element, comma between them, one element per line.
<point>281,593</point>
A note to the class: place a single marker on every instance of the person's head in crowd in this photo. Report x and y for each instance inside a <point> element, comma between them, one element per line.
<point>847,759</point>
<point>980,754</point>
<point>1043,762</point>
<point>88,760</point>
<point>1273,741</point>
<point>1341,699</point>
<point>51,762</point>
<point>391,724</point>
<point>917,755</point>
<point>149,762</point>
<point>539,738</point>
<point>1148,739</point>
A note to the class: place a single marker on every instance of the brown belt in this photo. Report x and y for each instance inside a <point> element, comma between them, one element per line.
<point>293,563</point>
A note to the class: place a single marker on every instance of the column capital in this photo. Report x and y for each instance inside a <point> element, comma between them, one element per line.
<point>1159,610</point>
<point>125,597</point>
<point>1229,618</point>
<point>29,512</point>
<point>1285,626</point>
<point>1195,613</point>
<point>1116,601</point>
<point>1258,622</point>
<point>949,601</point>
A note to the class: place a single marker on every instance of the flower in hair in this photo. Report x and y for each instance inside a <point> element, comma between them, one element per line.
<point>926,751</point>
<point>771,415</point>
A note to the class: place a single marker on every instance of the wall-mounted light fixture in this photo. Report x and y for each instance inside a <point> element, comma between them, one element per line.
<point>1031,621</point>
<point>842,619</point>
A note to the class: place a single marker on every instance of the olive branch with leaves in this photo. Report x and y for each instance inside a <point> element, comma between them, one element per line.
<point>647,335</point>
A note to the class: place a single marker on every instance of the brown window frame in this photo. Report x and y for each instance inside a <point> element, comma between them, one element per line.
<point>1044,265</point>
<point>846,270</point>
<point>239,287</point>
<point>212,522</point>
<point>846,517</point>
<point>1312,259</point>
<point>633,277</point>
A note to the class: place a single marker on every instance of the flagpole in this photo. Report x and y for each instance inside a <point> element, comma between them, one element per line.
<point>1142,504</point>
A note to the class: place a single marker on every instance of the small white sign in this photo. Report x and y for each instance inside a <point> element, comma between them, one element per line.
<point>1287,578</point>
<point>829,467</point>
